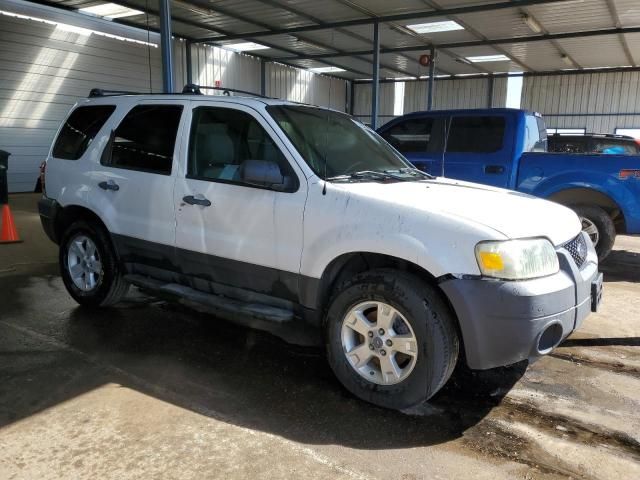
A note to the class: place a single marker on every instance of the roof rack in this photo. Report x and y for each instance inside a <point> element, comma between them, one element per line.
<point>189,89</point>
<point>193,89</point>
<point>593,134</point>
<point>99,92</point>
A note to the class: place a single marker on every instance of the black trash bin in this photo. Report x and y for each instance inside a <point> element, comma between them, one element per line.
<point>4,182</point>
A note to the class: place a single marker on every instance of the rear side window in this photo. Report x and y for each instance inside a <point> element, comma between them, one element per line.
<point>535,137</point>
<point>477,134</point>
<point>410,135</point>
<point>145,139</point>
<point>80,129</point>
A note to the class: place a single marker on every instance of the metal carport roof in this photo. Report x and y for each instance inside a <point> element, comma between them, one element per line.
<point>573,34</point>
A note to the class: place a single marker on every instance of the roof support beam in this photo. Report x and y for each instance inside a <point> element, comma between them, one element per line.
<point>301,14</point>
<point>401,29</point>
<point>165,46</point>
<point>479,43</point>
<point>386,18</point>
<point>207,9</point>
<point>547,73</point>
<point>477,34</point>
<point>616,20</point>
<point>375,87</point>
<point>555,43</point>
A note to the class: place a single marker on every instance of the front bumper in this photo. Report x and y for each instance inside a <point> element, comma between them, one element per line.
<point>504,322</point>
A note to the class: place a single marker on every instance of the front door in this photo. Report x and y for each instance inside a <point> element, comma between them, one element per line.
<point>232,229</point>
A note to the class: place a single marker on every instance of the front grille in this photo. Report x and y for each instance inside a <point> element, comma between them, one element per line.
<point>577,248</point>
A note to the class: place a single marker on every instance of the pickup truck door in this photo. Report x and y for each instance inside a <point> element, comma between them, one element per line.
<point>479,149</point>
<point>230,233</point>
<point>420,140</point>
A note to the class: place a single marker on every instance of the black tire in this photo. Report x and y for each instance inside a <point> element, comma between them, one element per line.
<point>604,224</point>
<point>431,321</point>
<point>111,286</point>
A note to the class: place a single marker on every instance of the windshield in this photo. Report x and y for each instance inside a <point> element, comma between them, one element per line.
<point>335,145</point>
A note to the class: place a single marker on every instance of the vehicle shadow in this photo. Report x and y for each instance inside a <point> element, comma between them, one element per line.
<point>621,265</point>
<point>231,373</point>
<point>602,342</point>
<point>254,380</point>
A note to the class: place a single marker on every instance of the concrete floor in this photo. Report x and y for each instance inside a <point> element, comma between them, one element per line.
<point>153,390</point>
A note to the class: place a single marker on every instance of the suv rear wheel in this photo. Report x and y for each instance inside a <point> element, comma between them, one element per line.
<point>89,266</point>
<point>391,339</point>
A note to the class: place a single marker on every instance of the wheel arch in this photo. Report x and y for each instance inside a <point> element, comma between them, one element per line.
<point>588,196</point>
<point>72,213</point>
<point>347,265</point>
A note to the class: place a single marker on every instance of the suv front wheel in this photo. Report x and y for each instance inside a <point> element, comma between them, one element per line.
<point>89,266</point>
<point>391,339</point>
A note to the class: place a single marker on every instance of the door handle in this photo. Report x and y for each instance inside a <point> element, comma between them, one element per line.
<point>191,200</point>
<point>110,185</point>
<point>494,169</point>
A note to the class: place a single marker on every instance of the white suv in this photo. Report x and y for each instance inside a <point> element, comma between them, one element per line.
<point>285,214</point>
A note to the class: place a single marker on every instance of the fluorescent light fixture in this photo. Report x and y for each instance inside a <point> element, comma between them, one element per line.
<point>566,59</point>
<point>488,58</point>
<point>435,27</point>
<point>532,23</point>
<point>79,30</point>
<point>246,46</point>
<point>110,10</point>
<point>326,70</point>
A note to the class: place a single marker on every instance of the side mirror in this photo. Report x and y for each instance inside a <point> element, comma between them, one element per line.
<point>263,173</point>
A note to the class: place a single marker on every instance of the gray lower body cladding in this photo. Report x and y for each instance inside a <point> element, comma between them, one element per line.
<point>504,322</point>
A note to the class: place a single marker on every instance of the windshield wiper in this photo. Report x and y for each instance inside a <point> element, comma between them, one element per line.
<point>367,174</point>
<point>413,171</point>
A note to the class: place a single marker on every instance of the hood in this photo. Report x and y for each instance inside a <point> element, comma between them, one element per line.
<point>514,214</point>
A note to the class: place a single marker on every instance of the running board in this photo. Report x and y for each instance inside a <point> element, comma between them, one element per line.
<point>224,306</point>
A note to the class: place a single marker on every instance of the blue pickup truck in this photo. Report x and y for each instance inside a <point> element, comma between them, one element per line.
<point>508,148</point>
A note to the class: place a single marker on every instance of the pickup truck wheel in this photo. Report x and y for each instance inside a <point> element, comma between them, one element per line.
<point>391,339</point>
<point>89,267</point>
<point>599,226</point>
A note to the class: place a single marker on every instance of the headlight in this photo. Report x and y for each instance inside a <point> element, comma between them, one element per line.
<point>517,259</point>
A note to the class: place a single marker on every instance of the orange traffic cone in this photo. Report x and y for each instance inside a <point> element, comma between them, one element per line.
<point>9,232</point>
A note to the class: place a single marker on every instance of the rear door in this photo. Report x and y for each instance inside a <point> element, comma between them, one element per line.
<point>478,149</point>
<point>420,140</point>
<point>132,190</point>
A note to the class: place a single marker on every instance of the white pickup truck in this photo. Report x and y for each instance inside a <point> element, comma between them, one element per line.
<point>297,215</point>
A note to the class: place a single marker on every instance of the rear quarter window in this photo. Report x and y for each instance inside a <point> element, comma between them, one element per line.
<point>476,134</point>
<point>79,130</point>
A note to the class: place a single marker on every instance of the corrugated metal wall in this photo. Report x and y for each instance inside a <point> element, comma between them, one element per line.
<point>48,65</point>
<point>45,67</point>
<point>448,93</point>
<point>233,70</point>
<point>599,102</point>
<point>305,86</point>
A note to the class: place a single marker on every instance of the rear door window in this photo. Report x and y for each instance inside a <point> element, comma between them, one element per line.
<point>410,136</point>
<point>476,134</point>
<point>79,130</point>
<point>145,139</point>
